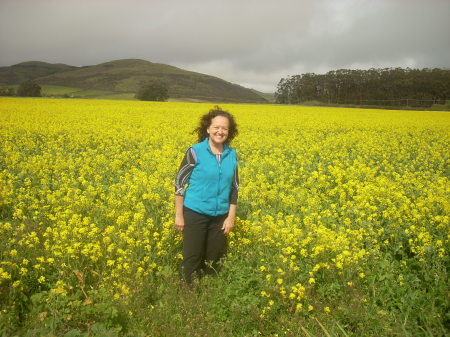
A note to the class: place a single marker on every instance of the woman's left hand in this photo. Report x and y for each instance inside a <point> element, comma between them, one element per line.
<point>228,225</point>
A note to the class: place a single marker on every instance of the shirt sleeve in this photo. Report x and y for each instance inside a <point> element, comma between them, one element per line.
<point>185,170</point>
<point>234,187</point>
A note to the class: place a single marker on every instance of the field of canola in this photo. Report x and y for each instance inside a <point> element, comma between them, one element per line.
<point>342,229</point>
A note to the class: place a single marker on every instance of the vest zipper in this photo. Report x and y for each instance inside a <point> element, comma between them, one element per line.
<point>218,187</point>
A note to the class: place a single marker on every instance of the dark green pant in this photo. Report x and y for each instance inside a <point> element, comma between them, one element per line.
<point>204,243</point>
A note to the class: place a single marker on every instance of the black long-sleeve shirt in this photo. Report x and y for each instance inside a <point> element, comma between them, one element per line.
<point>185,170</point>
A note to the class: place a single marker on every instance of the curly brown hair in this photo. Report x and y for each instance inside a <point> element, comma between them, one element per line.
<point>205,122</point>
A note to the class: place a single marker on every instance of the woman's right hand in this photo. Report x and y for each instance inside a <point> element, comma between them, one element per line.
<point>179,222</point>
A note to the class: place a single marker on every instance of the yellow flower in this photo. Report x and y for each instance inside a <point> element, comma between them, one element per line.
<point>58,291</point>
<point>264,294</point>
<point>378,183</point>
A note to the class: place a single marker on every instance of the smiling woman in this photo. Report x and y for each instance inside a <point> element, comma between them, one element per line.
<point>206,211</point>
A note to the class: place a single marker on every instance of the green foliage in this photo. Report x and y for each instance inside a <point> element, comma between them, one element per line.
<point>373,87</point>
<point>29,88</point>
<point>153,91</point>
<point>445,106</point>
<point>7,91</point>
<point>91,313</point>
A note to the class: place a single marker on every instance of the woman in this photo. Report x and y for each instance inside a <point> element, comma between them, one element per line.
<point>205,211</point>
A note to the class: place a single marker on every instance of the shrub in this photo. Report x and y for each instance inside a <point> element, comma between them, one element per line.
<point>153,91</point>
<point>29,88</point>
<point>7,92</point>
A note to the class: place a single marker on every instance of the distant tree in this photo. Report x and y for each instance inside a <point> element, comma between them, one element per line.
<point>153,91</point>
<point>7,92</point>
<point>29,88</point>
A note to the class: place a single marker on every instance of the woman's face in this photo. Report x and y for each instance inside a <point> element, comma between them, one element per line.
<point>218,130</point>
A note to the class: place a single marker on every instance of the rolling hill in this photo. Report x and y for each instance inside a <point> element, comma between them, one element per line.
<point>127,76</point>
<point>30,70</point>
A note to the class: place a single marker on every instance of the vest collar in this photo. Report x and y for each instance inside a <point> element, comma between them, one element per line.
<point>226,147</point>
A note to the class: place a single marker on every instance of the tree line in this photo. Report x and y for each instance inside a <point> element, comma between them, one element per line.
<point>382,87</point>
<point>150,91</point>
<point>27,88</point>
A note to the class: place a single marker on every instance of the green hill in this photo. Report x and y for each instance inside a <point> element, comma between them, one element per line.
<point>127,76</point>
<point>29,71</point>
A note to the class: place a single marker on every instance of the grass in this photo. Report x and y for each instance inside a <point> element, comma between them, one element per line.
<point>57,90</point>
<point>121,96</point>
<point>445,106</point>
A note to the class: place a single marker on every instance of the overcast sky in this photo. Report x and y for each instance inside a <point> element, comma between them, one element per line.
<point>253,43</point>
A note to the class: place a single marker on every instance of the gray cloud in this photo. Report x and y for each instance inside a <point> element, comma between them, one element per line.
<point>249,42</point>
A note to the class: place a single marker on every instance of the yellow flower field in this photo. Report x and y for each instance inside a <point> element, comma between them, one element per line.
<point>334,204</point>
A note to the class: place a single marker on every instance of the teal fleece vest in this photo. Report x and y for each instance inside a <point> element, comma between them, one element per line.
<point>210,181</point>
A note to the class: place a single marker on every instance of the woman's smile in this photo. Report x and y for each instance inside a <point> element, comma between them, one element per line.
<point>218,130</point>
